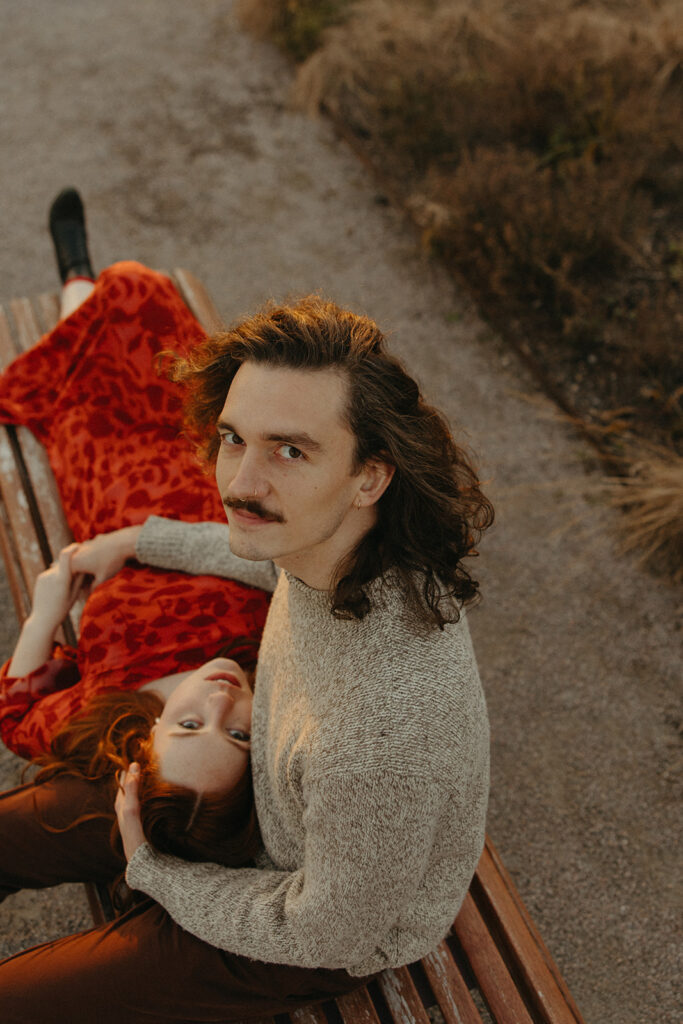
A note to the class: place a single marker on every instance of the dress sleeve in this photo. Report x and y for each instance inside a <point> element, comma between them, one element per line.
<point>20,698</point>
<point>200,549</point>
<point>368,844</point>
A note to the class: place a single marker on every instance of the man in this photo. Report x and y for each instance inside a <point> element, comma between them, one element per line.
<point>346,495</point>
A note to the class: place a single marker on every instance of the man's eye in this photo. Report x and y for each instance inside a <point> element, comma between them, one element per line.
<point>238,734</point>
<point>290,453</point>
<point>229,438</point>
<point>189,723</point>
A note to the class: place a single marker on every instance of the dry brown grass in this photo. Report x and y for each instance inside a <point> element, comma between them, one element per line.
<point>650,496</point>
<point>296,25</point>
<point>539,147</point>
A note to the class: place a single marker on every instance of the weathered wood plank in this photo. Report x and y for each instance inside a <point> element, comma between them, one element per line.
<point>48,304</point>
<point>8,350</point>
<point>505,914</point>
<point>20,595</point>
<point>493,978</point>
<point>28,328</point>
<point>357,1008</point>
<point>309,1015</point>
<point>20,544</point>
<point>402,997</point>
<point>38,485</point>
<point>198,299</point>
<point>448,985</point>
<point>12,485</point>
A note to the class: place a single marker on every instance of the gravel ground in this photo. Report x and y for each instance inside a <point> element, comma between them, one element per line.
<point>176,128</point>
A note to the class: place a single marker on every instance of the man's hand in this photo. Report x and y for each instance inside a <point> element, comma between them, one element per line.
<point>105,554</point>
<point>127,807</point>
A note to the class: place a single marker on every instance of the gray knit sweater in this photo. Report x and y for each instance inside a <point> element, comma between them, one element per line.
<point>370,760</point>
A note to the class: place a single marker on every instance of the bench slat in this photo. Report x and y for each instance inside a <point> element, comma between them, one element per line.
<point>46,492</point>
<point>448,985</point>
<point>402,997</point>
<point>20,543</point>
<point>531,961</point>
<point>20,595</point>
<point>198,299</point>
<point>309,1015</point>
<point>29,553</point>
<point>28,328</point>
<point>357,1008</point>
<point>40,488</point>
<point>493,978</point>
<point>8,350</point>
<point>48,304</point>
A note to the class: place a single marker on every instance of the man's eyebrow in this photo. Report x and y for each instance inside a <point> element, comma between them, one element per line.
<point>298,439</point>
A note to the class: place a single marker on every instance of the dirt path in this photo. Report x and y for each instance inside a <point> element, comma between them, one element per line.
<point>174,125</point>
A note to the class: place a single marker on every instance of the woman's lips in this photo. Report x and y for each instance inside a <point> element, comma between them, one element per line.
<point>225,677</point>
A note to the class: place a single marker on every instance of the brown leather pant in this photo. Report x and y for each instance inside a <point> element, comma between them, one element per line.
<point>141,967</point>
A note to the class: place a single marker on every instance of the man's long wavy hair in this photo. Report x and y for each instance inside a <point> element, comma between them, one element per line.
<point>432,513</point>
<point>114,730</point>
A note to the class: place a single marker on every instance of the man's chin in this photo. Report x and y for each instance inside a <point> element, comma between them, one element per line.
<point>245,546</point>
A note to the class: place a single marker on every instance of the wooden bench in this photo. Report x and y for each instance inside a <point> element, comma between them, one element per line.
<point>492,966</point>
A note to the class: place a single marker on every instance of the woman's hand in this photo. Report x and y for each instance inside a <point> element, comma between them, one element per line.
<point>103,556</point>
<point>55,591</point>
<point>127,807</point>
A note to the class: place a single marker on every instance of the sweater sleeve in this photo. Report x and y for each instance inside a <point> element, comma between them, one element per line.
<point>200,549</point>
<point>368,844</point>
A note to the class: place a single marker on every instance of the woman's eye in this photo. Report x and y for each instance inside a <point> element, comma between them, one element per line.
<point>238,734</point>
<point>290,453</point>
<point>189,723</point>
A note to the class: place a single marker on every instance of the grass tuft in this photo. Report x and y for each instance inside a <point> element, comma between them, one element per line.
<point>650,496</point>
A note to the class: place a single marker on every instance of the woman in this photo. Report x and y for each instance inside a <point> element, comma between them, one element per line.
<point>191,750</point>
<point>195,796</point>
<point>94,393</point>
<point>91,392</point>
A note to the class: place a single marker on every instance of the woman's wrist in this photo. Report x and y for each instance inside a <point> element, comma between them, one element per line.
<point>34,645</point>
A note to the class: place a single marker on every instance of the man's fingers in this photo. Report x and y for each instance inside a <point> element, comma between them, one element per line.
<point>128,782</point>
<point>128,810</point>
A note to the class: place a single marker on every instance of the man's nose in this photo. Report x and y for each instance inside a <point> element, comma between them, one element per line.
<point>249,479</point>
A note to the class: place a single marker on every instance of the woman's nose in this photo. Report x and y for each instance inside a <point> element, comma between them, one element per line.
<point>221,703</point>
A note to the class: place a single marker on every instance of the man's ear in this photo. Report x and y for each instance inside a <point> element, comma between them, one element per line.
<point>377,476</point>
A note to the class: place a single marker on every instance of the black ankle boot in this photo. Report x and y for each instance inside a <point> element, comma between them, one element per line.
<point>67,227</point>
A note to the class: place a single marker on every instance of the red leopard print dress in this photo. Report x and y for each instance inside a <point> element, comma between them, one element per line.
<point>92,392</point>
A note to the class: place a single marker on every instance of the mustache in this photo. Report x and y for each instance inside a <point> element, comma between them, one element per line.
<point>254,507</point>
